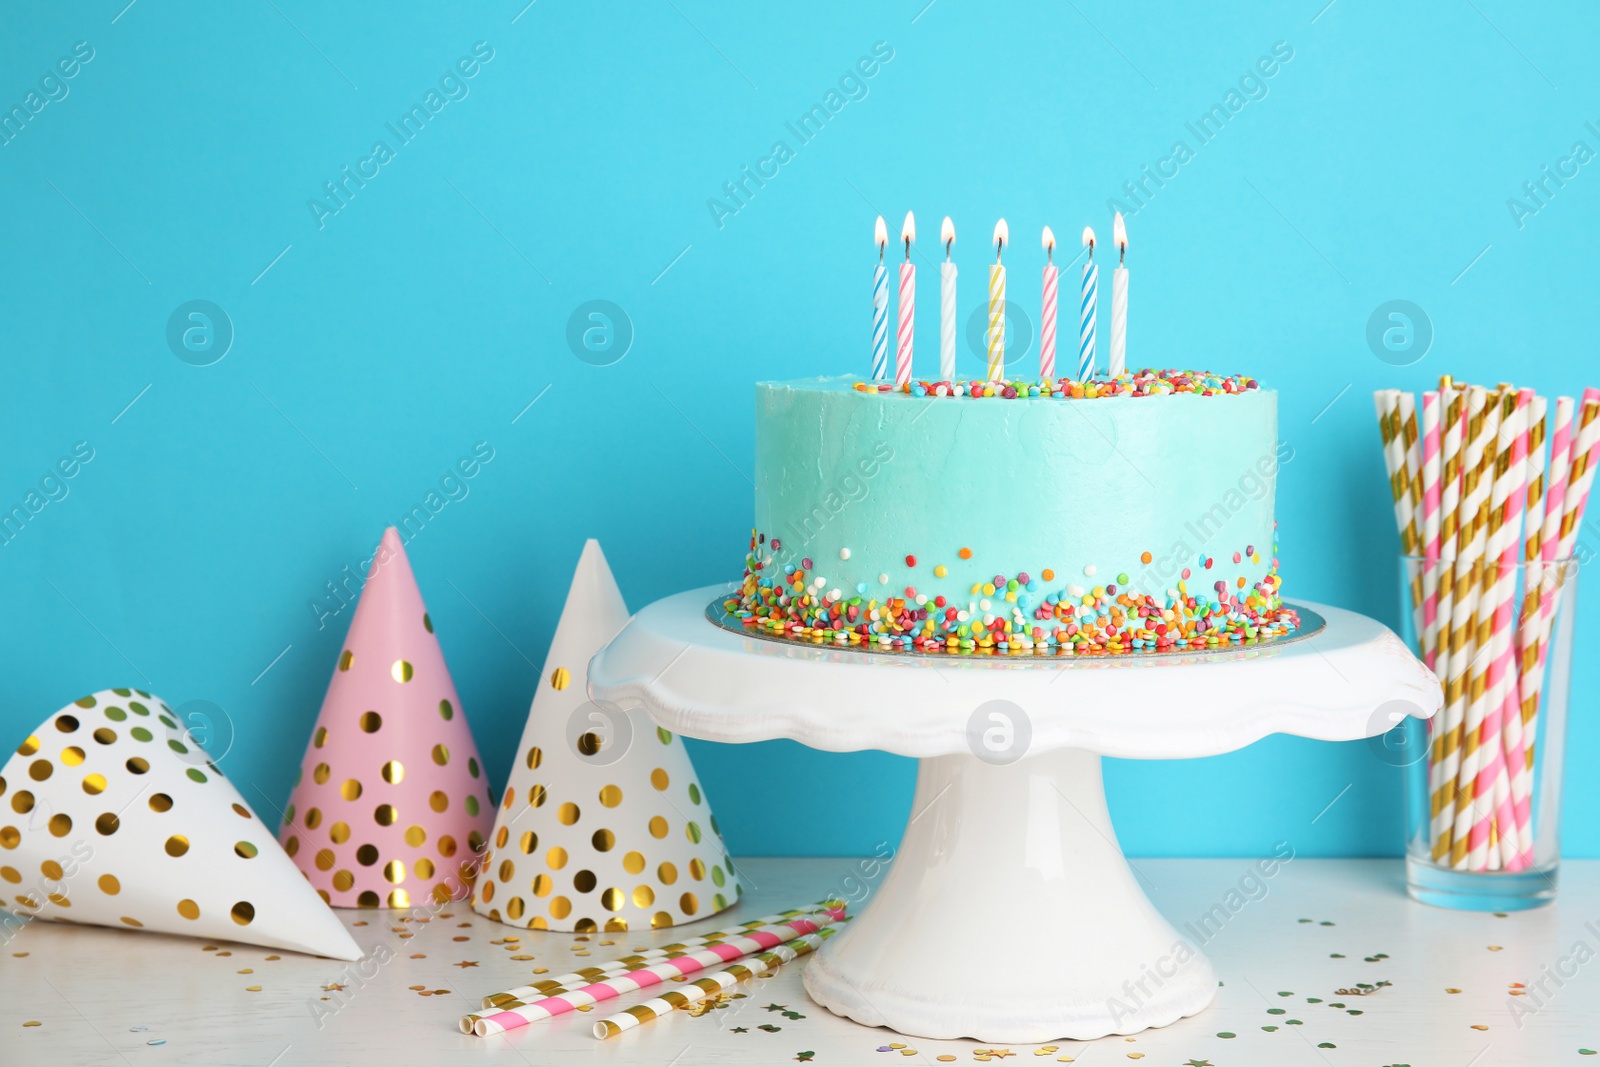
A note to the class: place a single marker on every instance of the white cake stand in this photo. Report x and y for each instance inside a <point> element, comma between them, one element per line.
<point>1009,913</point>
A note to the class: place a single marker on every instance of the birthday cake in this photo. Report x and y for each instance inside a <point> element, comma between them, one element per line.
<point>1114,515</point>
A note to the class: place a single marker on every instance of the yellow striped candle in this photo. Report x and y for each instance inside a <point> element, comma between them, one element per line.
<point>997,305</point>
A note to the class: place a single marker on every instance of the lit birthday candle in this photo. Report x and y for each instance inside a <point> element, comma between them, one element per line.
<point>1087,309</point>
<point>947,304</point>
<point>1047,327</point>
<point>880,306</point>
<point>997,305</point>
<point>1119,301</point>
<point>908,308</point>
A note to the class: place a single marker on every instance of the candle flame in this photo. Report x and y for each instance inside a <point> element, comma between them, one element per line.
<point>1002,237</point>
<point>1119,234</point>
<point>880,236</point>
<point>947,235</point>
<point>1048,240</point>
<point>908,232</point>
<point>1088,240</point>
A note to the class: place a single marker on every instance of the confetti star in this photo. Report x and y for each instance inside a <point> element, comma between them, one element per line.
<point>334,988</point>
<point>740,1030</point>
<point>777,1007</point>
<point>804,1057</point>
<point>1196,1063</point>
<point>464,964</point>
<point>1001,1053</point>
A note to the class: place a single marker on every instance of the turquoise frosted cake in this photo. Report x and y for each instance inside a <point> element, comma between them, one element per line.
<point>1065,517</point>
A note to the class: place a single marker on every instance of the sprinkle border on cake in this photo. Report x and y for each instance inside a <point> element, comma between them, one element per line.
<point>1016,615</point>
<point>1149,382</point>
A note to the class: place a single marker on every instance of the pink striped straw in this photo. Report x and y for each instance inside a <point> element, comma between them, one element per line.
<point>1520,832</point>
<point>1430,520</point>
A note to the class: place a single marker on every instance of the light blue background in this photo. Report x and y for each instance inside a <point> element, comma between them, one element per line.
<point>429,312</point>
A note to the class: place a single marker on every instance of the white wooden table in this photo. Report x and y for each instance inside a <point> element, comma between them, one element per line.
<point>86,996</point>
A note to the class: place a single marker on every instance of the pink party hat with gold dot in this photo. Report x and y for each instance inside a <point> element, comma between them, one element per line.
<point>392,804</point>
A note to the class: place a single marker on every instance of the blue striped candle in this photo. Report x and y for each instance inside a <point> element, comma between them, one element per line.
<point>1087,310</point>
<point>880,307</point>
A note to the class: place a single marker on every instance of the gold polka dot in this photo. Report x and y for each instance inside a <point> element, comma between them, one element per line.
<point>28,747</point>
<point>40,769</point>
<point>94,784</point>
<point>243,912</point>
<point>659,779</point>
<point>584,881</point>
<point>447,846</point>
<point>446,712</point>
<point>529,842</point>
<point>339,833</point>
<point>613,900</point>
<point>658,826</point>
<point>508,870</point>
<point>241,811</point>
<point>697,868</point>
<point>394,872</point>
<point>367,855</point>
<point>441,755</point>
<point>10,837</point>
<point>438,801</point>
<point>423,868</point>
<point>567,813</point>
<point>394,771</point>
<point>661,920</point>
<point>367,899</point>
<point>343,881</point>
<point>106,735</point>
<point>109,885</point>
<point>486,892</point>
<point>688,904</point>
<point>137,765</point>
<point>160,802</point>
<point>319,738</point>
<point>72,756</point>
<point>536,796</point>
<point>560,678</point>
<point>245,850</point>
<point>131,921</point>
<point>313,818</point>
<point>603,840</point>
<point>351,789</point>
<point>556,858</point>
<point>542,884</point>
<point>292,845</point>
<point>535,757</point>
<point>416,836</point>
<point>501,836</point>
<point>515,907</point>
<point>22,802</point>
<point>51,870</point>
<point>177,845</point>
<point>611,796</point>
<point>385,815</point>
<point>371,722</point>
<point>399,898</point>
<point>66,723</point>
<point>325,859</point>
<point>188,909</point>
<point>616,923</point>
<point>427,623</point>
<point>643,896</point>
<point>560,907</point>
<point>589,744</point>
<point>400,670</point>
<point>107,824</point>
<point>12,875</point>
<point>61,825</point>
<point>633,862</point>
<point>692,832</point>
<point>346,658</point>
<point>321,773</point>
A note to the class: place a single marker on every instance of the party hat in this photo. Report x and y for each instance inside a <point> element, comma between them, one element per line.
<point>391,804</point>
<point>603,824</point>
<point>111,815</point>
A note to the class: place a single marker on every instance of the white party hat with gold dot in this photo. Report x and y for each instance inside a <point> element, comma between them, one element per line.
<point>391,804</point>
<point>603,825</point>
<point>111,815</point>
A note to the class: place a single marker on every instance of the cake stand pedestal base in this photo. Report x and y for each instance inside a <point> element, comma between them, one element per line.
<point>1010,912</point>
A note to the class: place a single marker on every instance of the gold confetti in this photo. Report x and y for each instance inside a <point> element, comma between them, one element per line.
<point>252,989</point>
<point>33,1022</point>
<point>1479,1026</point>
<point>1451,989</point>
<point>1495,948</point>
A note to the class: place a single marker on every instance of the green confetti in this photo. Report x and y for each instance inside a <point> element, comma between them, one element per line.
<point>1326,1044</point>
<point>1226,1033</point>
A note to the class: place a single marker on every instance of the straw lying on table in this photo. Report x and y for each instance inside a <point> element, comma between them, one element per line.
<point>1474,495</point>
<point>756,940</point>
<point>710,985</point>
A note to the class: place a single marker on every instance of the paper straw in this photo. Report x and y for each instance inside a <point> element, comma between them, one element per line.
<point>710,985</point>
<point>1454,627</point>
<point>1430,523</point>
<point>622,964</point>
<point>1391,427</point>
<point>1550,542</point>
<point>1506,510</point>
<point>1442,786</point>
<point>756,940</point>
<point>1467,673</point>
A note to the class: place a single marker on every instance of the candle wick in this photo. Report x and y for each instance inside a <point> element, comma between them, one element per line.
<point>1122,253</point>
<point>908,250</point>
<point>947,250</point>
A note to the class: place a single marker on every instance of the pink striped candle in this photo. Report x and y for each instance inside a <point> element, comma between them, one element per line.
<point>755,941</point>
<point>1047,326</point>
<point>908,307</point>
